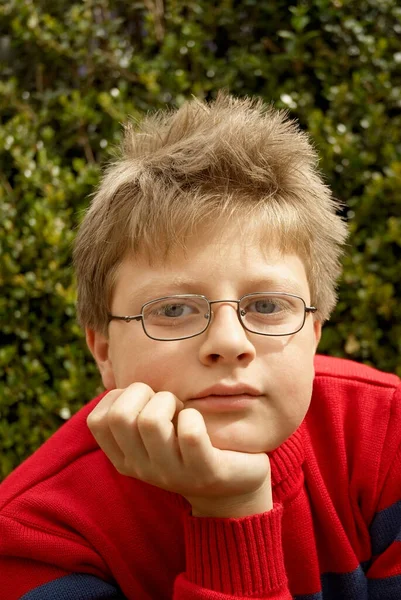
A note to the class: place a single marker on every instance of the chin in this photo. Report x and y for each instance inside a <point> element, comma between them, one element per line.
<point>239,438</point>
<point>245,443</point>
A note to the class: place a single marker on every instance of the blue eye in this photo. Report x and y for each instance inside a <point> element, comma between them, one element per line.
<point>175,310</point>
<point>265,306</point>
<point>171,310</point>
<point>269,306</point>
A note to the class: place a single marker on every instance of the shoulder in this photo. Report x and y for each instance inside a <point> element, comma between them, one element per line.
<point>355,412</point>
<point>356,392</point>
<point>68,474</point>
<point>329,368</point>
<point>71,446</point>
<point>346,385</point>
<point>352,434</point>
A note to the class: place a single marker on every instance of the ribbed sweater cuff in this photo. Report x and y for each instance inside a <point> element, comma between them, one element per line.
<point>241,557</point>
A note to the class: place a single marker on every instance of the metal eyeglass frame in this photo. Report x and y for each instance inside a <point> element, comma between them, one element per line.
<point>128,318</point>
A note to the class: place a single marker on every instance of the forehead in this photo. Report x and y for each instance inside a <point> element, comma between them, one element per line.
<point>212,263</point>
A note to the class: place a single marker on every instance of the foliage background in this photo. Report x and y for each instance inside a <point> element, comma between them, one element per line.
<point>73,71</point>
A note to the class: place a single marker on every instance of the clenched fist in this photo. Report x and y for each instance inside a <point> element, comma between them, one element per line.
<point>153,437</point>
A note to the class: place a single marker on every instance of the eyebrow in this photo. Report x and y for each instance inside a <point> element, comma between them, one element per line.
<point>179,285</point>
<point>276,284</point>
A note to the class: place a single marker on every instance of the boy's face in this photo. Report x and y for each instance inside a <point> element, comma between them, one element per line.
<point>279,369</point>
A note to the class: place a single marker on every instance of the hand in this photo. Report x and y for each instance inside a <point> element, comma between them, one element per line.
<point>152,437</point>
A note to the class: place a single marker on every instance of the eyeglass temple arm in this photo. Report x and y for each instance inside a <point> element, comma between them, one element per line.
<point>127,319</point>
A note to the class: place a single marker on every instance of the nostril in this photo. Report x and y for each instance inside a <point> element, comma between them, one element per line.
<point>214,358</point>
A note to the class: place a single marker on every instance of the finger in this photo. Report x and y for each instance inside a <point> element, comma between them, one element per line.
<point>102,408</point>
<point>157,430</point>
<point>98,425</point>
<point>123,426</point>
<point>195,446</point>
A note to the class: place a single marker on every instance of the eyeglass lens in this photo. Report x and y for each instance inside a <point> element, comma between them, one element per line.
<point>178,317</point>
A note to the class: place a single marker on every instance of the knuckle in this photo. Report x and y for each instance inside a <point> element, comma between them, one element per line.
<point>191,437</point>
<point>139,386</point>
<point>164,395</point>
<point>120,467</point>
<point>147,422</point>
<point>125,467</point>
<point>97,418</point>
<point>91,420</point>
<point>94,422</point>
<point>116,417</point>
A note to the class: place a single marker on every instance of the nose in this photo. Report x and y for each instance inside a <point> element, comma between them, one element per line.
<point>225,340</point>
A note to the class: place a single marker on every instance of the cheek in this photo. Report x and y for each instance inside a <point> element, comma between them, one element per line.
<point>153,364</point>
<point>291,374</point>
<point>297,384</point>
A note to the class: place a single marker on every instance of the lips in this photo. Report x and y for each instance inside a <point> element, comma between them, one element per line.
<point>226,390</point>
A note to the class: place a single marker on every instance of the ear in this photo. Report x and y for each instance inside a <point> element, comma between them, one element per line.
<point>317,328</point>
<point>98,344</point>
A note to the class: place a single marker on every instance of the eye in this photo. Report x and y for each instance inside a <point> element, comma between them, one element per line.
<point>175,310</point>
<point>169,309</point>
<point>268,306</point>
<point>264,306</point>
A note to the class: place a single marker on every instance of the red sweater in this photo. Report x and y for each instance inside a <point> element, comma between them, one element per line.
<point>72,527</point>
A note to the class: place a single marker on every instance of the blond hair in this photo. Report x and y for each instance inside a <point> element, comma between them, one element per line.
<point>203,163</point>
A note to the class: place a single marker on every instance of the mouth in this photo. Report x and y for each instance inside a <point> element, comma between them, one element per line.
<point>224,402</point>
<point>227,390</point>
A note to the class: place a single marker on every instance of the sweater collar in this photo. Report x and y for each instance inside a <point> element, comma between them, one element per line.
<point>286,465</point>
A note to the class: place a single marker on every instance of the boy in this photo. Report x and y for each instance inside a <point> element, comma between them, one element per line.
<point>211,469</point>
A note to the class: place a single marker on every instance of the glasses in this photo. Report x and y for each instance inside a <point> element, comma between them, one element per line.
<point>187,315</point>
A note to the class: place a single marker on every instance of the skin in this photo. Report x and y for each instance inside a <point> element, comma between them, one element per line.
<point>148,426</point>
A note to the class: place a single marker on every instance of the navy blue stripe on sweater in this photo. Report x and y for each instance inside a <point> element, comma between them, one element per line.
<point>385,528</point>
<point>385,589</point>
<point>355,586</point>
<point>335,586</point>
<point>77,586</point>
<point>345,585</point>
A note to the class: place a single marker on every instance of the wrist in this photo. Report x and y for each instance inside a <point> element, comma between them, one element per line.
<point>245,505</point>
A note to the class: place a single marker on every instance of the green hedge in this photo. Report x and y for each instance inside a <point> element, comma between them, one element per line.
<point>73,71</point>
